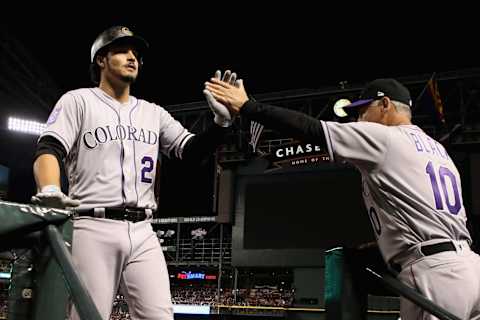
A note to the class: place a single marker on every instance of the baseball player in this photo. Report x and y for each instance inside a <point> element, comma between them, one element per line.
<point>411,188</point>
<point>110,141</point>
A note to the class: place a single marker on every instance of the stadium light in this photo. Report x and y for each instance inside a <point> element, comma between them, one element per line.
<point>338,107</point>
<point>26,126</point>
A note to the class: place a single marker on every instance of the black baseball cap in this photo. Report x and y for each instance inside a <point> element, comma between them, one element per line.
<point>380,88</point>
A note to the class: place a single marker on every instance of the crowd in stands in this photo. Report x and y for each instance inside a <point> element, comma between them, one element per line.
<point>3,305</point>
<point>5,265</point>
<point>194,295</point>
<point>267,296</point>
<point>120,309</point>
<point>3,310</point>
<point>3,301</point>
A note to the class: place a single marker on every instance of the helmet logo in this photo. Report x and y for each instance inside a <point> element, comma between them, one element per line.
<point>127,31</point>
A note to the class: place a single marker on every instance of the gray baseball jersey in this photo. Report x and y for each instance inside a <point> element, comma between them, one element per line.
<point>411,187</point>
<point>112,148</point>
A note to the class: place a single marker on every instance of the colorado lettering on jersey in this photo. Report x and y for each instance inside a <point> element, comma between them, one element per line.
<point>100,135</point>
<point>424,143</point>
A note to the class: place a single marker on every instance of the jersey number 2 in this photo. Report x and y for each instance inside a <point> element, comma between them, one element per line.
<point>443,174</point>
<point>148,167</point>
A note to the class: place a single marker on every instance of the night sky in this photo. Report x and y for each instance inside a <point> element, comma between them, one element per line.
<point>280,48</point>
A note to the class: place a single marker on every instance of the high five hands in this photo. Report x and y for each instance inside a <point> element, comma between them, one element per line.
<point>223,117</point>
<point>226,92</point>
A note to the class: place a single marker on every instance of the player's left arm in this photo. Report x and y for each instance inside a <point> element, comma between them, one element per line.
<point>194,148</point>
<point>202,145</point>
<point>178,142</point>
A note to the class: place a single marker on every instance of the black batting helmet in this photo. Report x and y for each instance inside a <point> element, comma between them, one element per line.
<point>117,34</point>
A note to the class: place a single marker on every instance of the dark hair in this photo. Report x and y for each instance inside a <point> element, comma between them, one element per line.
<point>94,73</point>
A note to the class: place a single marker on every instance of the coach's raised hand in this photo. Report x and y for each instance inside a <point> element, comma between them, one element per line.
<point>231,95</point>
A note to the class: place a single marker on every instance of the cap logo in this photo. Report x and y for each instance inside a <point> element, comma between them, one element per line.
<point>380,94</point>
<point>127,31</point>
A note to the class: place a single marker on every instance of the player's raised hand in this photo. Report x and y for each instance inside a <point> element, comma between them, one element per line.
<point>228,77</point>
<point>232,95</point>
<point>223,116</point>
<point>52,196</point>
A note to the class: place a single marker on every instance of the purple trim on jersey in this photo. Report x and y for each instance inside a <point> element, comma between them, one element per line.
<point>107,103</point>
<point>358,103</point>
<point>58,137</point>
<point>82,125</point>
<point>122,155</point>
<point>412,127</point>
<point>329,143</point>
<point>122,158</point>
<point>417,288</point>
<point>134,154</point>
<point>414,279</point>
<point>72,157</point>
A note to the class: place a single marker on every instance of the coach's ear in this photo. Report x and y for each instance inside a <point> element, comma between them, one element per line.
<point>385,103</point>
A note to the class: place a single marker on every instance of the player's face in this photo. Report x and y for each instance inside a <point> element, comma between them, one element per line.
<point>122,63</point>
